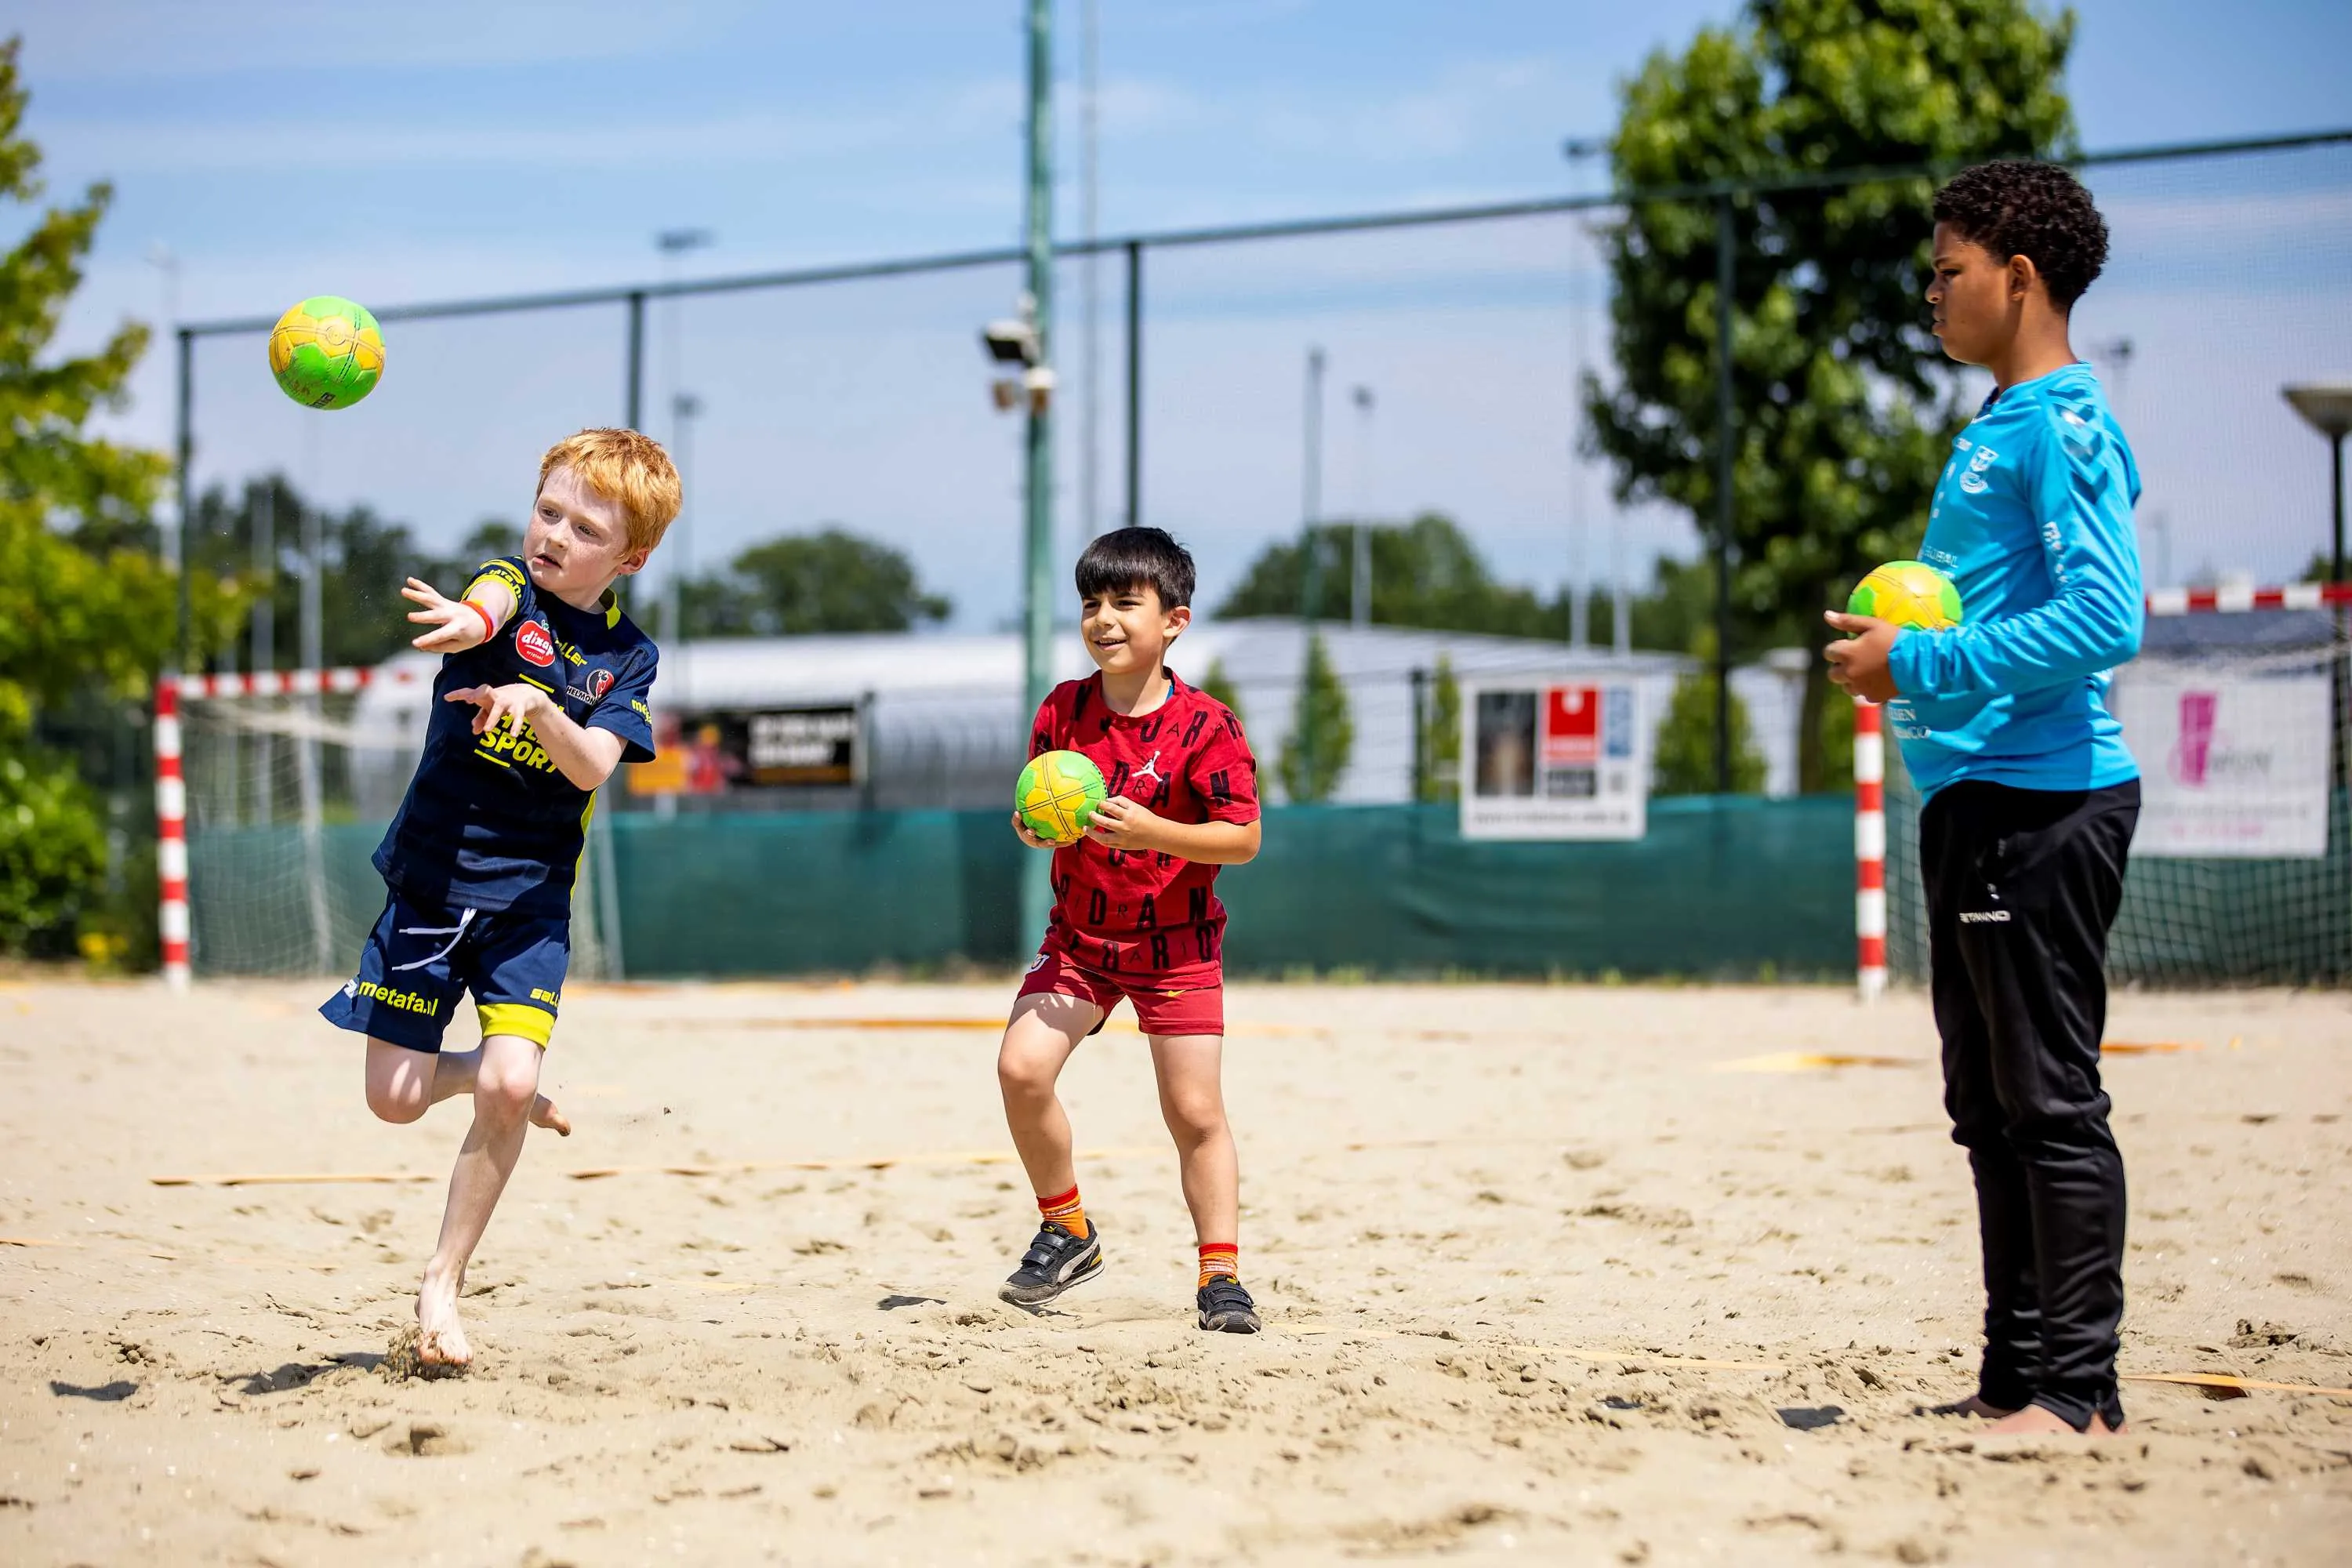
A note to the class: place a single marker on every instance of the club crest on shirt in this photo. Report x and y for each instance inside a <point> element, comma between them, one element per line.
<point>1974,481</point>
<point>600,681</point>
<point>532,641</point>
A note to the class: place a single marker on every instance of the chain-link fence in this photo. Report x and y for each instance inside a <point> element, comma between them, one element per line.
<point>1251,381</point>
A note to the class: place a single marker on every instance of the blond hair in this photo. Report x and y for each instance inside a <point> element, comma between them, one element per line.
<point>629,470</point>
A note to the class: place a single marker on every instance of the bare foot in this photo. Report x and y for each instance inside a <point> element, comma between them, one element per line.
<point>440,1339</point>
<point>544,1114</point>
<point>2035,1421</point>
<point>1974,1405</point>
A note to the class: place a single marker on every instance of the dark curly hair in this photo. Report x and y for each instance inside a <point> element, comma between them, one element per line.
<point>2023,207</point>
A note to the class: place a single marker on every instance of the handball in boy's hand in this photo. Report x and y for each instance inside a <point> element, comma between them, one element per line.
<point>326,352</point>
<point>1910,593</point>
<point>1057,795</point>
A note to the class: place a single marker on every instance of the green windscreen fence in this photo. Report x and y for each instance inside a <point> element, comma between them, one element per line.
<point>1718,888</point>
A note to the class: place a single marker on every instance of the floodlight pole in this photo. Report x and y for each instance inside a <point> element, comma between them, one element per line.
<point>1037,606</point>
<point>184,523</point>
<point>1134,384</point>
<point>1724,248</point>
<point>633,401</point>
<point>1310,560</point>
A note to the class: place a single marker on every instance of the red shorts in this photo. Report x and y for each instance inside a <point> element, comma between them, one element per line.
<point>1158,1010</point>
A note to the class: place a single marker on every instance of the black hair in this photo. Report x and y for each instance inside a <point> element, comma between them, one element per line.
<point>2021,207</point>
<point>1129,557</point>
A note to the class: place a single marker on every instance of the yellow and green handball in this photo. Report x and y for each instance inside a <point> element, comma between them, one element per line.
<point>1911,594</point>
<point>1057,795</point>
<point>326,353</point>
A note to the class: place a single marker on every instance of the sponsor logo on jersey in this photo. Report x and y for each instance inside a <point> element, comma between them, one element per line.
<point>1984,917</point>
<point>1974,480</point>
<point>600,681</point>
<point>532,641</point>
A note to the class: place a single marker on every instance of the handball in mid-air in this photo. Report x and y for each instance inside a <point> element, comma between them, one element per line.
<point>326,353</point>
<point>1910,593</point>
<point>1057,795</point>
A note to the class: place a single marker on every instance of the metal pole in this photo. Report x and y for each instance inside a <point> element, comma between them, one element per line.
<point>185,533</point>
<point>1134,384</point>
<point>1723,509</point>
<point>2337,491</point>
<point>1090,442</point>
<point>306,782</point>
<point>634,406</point>
<point>1310,560</point>
<point>1037,608</point>
<point>265,636</point>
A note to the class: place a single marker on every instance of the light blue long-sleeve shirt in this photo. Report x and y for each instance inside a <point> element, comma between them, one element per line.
<point>2033,520</point>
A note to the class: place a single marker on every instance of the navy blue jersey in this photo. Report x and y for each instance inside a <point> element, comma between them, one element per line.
<point>489,822</point>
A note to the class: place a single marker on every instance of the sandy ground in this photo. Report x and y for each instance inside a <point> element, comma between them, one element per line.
<point>1552,1275</point>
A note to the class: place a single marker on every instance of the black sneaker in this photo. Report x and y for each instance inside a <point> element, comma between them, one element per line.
<point>1226,1308</point>
<point>1054,1262</point>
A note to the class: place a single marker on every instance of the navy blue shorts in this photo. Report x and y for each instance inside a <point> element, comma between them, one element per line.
<point>421,959</point>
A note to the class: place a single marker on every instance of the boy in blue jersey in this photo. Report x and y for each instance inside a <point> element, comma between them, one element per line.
<point>2031,794</point>
<point>545,690</point>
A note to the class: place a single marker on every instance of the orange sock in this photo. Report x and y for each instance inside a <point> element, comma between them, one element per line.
<point>1068,1212</point>
<point>1219,1260</point>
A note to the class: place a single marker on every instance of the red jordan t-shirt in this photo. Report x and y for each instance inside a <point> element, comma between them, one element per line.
<point>1139,913</point>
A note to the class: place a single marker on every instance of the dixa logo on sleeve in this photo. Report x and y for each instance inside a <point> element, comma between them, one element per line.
<point>600,681</point>
<point>532,641</point>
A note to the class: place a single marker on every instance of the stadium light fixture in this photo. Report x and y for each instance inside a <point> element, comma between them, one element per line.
<point>2327,406</point>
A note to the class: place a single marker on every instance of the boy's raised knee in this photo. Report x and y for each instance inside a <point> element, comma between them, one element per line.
<point>402,1102</point>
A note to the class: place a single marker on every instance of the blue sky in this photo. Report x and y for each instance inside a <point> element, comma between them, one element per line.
<point>436,149</point>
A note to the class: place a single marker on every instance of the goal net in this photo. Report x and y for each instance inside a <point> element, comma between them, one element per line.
<point>2241,870</point>
<point>290,782</point>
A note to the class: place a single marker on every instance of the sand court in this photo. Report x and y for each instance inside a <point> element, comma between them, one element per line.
<point>1550,1274</point>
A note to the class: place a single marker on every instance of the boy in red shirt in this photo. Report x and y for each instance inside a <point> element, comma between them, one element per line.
<point>1136,916</point>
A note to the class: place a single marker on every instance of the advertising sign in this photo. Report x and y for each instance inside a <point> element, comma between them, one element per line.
<point>711,753</point>
<point>1553,760</point>
<point>2230,768</point>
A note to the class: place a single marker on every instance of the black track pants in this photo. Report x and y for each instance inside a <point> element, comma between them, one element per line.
<point>2022,886</point>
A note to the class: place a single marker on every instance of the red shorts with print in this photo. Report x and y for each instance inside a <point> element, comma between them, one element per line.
<point>1196,1009</point>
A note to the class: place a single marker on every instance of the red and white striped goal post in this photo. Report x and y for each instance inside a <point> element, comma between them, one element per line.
<point>1870,761</point>
<point>170,783</point>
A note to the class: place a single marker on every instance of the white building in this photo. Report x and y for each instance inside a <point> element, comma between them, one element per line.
<point>948,726</point>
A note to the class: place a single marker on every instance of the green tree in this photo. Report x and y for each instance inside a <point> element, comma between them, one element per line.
<point>1844,403</point>
<point>1311,773</point>
<point>1441,736</point>
<point>1426,573</point>
<point>829,581</point>
<point>1220,685</point>
<point>1684,762</point>
<point>88,611</point>
<point>364,560</point>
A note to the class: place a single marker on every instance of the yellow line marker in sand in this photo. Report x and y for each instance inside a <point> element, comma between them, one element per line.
<point>36,1241</point>
<point>865,1163</point>
<point>2224,1380</point>
<point>2148,1047</point>
<point>1813,1061</point>
<point>291,1178</point>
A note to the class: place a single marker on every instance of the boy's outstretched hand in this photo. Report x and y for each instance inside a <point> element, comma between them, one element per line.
<point>515,705</point>
<point>458,624</point>
<point>1858,663</point>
